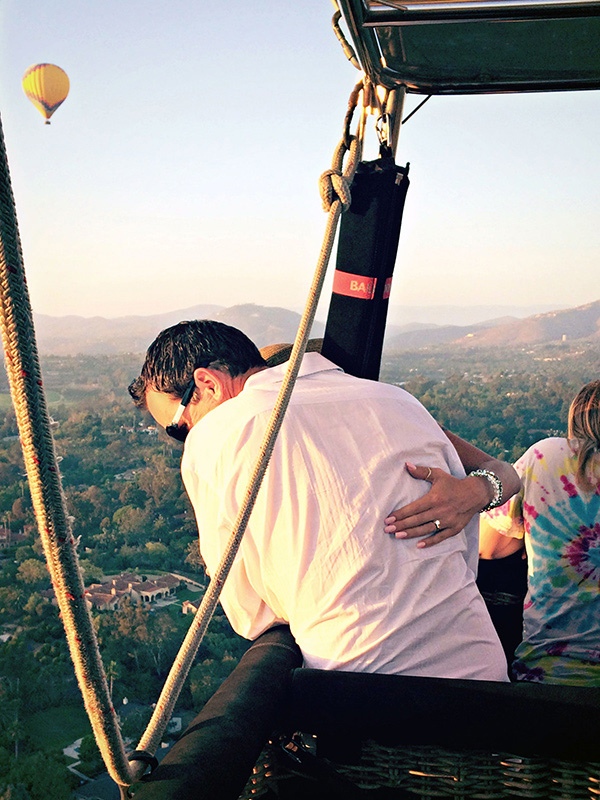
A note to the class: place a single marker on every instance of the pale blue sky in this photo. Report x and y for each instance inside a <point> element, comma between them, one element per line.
<point>183,167</point>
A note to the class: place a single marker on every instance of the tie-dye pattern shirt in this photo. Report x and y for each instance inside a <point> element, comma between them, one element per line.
<point>561,526</point>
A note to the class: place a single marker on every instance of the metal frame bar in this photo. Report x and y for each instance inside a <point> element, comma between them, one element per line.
<point>405,12</point>
<point>395,110</point>
<point>364,40</point>
<point>362,18</point>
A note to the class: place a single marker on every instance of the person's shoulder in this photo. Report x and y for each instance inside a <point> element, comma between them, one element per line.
<point>219,439</point>
<point>550,446</point>
<point>554,444</point>
<point>554,447</point>
<point>382,389</point>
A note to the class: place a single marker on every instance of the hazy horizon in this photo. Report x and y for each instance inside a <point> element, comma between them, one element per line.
<point>398,314</point>
<point>185,163</point>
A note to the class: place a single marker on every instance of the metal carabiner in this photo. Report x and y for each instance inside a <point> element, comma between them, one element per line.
<point>382,129</point>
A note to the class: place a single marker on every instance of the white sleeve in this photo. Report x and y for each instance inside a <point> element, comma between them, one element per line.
<point>242,594</point>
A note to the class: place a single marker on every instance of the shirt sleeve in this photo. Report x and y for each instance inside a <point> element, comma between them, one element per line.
<point>241,596</point>
<point>246,611</point>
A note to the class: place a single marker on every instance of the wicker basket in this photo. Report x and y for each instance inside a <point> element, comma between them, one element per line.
<point>428,772</point>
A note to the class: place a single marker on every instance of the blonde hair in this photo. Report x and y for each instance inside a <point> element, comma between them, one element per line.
<point>584,428</point>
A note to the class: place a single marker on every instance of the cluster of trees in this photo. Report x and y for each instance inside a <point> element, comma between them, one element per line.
<point>34,776</point>
<point>493,413</point>
<point>500,400</point>
<point>131,513</point>
<point>121,483</point>
<point>35,674</point>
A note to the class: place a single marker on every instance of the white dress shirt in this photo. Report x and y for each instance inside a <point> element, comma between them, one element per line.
<point>315,554</point>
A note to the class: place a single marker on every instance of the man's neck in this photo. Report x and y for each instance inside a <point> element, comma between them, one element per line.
<point>240,380</point>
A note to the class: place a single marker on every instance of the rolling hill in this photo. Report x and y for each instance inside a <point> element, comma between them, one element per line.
<point>568,324</point>
<point>582,322</point>
<point>73,335</point>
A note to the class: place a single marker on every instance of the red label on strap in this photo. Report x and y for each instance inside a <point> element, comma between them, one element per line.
<point>387,288</point>
<point>354,285</point>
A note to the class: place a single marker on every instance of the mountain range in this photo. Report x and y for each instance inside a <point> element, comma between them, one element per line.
<point>71,335</point>
<point>582,322</point>
<point>567,324</point>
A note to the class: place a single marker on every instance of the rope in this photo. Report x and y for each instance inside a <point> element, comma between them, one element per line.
<point>334,185</point>
<point>24,375</point>
<point>16,322</point>
<point>352,103</point>
<point>183,662</point>
<point>414,111</point>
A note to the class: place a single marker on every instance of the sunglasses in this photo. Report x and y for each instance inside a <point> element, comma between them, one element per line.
<point>175,430</point>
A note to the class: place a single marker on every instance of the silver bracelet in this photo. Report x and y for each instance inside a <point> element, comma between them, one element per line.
<point>496,486</point>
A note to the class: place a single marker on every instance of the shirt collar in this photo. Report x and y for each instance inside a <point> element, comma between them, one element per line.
<point>311,364</point>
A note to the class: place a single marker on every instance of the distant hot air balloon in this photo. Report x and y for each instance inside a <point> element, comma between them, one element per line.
<point>46,85</point>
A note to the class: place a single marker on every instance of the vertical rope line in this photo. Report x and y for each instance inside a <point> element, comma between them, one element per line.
<point>183,661</point>
<point>24,375</point>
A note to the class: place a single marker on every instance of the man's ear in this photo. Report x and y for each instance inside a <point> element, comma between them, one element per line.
<point>209,380</point>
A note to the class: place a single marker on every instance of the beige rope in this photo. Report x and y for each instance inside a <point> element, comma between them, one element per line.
<point>16,321</point>
<point>24,374</point>
<point>183,661</point>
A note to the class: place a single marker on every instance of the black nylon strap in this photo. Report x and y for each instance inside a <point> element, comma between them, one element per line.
<point>368,243</point>
<point>147,758</point>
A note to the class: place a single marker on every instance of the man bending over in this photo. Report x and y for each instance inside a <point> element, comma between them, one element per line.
<point>313,555</point>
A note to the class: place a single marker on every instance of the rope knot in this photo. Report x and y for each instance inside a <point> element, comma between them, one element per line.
<point>334,186</point>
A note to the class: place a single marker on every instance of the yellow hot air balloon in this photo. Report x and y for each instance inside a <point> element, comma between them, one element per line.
<point>46,85</point>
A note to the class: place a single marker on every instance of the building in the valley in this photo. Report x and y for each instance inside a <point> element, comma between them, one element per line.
<point>9,539</point>
<point>187,607</point>
<point>110,595</point>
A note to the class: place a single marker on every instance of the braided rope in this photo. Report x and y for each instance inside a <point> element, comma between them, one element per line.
<point>333,185</point>
<point>24,375</point>
<point>183,661</point>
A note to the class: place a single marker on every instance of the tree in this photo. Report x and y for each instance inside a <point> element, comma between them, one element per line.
<point>133,523</point>
<point>24,552</point>
<point>136,723</point>
<point>42,776</point>
<point>11,792</point>
<point>156,553</point>
<point>193,558</point>
<point>206,677</point>
<point>10,601</point>
<point>10,707</point>
<point>89,754</point>
<point>91,573</point>
<point>161,483</point>
<point>32,572</point>
<point>161,641</point>
<point>35,605</point>
<point>112,673</point>
<point>132,495</point>
<point>21,509</point>
<point>84,427</point>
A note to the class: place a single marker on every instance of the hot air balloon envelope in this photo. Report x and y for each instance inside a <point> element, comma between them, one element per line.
<point>46,85</point>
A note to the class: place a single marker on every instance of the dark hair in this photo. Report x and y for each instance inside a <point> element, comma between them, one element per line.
<point>177,351</point>
<point>584,428</point>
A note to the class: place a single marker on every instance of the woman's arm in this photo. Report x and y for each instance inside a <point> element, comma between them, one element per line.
<point>473,458</point>
<point>493,544</point>
<point>451,501</point>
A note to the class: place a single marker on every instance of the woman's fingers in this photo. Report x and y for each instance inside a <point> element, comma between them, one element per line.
<point>437,515</point>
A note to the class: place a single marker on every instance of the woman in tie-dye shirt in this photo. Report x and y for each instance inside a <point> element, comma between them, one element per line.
<point>557,515</point>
